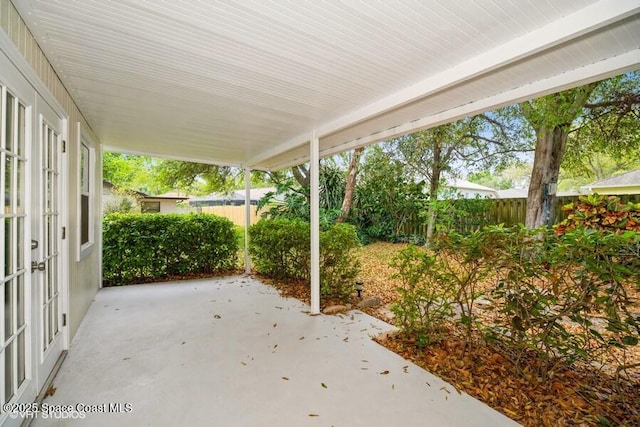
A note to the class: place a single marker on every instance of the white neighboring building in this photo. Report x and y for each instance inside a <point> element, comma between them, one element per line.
<point>470,190</point>
<point>113,199</point>
<point>626,183</point>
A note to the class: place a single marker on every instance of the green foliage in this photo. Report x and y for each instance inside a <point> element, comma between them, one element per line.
<point>552,299</point>
<point>139,248</point>
<point>280,249</point>
<point>294,206</point>
<point>426,298</point>
<point>607,140</point>
<point>339,266</point>
<point>296,196</point>
<point>385,198</point>
<point>131,173</point>
<point>119,204</point>
<point>604,213</point>
<point>488,179</point>
<point>461,215</point>
<point>196,178</point>
<point>464,262</point>
<point>550,288</point>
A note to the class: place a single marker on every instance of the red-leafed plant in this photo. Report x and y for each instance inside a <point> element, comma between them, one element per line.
<point>603,213</point>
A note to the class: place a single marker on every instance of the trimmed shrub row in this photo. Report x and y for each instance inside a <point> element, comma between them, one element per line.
<point>139,248</point>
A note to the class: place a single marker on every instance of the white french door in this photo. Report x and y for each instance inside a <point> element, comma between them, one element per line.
<point>46,230</point>
<point>16,321</point>
<point>31,288</point>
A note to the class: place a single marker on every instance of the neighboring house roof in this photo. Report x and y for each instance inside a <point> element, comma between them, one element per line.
<point>462,185</point>
<point>172,195</point>
<point>110,188</point>
<point>629,179</point>
<point>513,193</point>
<point>162,197</point>
<point>255,195</point>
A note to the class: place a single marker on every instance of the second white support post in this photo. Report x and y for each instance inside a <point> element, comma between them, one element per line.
<point>247,218</point>
<point>314,168</point>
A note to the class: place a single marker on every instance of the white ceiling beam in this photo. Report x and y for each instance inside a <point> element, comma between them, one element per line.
<point>584,21</point>
<point>577,77</point>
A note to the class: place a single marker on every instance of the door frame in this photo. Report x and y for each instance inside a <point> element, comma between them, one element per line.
<point>21,72</point>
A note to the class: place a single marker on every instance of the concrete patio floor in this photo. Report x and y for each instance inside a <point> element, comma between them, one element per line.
<point>231,352</point>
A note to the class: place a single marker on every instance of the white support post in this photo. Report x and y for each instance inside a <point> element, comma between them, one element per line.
<point>247,218</point>
<point>314,168</point>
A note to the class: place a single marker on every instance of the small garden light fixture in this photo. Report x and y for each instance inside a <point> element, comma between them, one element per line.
<point>359,284</point>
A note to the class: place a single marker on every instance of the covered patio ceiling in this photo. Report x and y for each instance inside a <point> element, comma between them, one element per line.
<point>245,83</point>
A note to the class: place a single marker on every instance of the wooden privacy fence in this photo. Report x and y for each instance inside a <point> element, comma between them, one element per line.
<point>509,212</point>
<point>234,213</point>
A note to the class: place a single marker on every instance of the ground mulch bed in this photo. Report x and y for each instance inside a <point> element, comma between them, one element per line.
<point>579,396</point>
<point>582,395</point>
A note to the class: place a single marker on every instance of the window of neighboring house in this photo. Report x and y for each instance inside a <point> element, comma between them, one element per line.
<point>86,198</point>
<point>150,207</point>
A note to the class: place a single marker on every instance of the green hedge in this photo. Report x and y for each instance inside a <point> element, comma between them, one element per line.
<point>280,248</point>
<point>139,248</point>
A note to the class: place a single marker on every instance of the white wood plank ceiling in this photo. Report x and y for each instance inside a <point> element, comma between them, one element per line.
<point>244,82</point>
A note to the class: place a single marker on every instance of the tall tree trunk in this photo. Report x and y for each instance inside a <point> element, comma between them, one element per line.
<point>434,184</point>
<point>550,147</point>
<point>551,118</point>
<point>351,185</point>
<point>303,176</point>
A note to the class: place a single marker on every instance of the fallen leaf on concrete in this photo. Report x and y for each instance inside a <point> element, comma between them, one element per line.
<point>50,391</point>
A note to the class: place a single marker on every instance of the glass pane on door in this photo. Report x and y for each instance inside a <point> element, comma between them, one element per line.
<point>50,235</point>
<point>13,336</point>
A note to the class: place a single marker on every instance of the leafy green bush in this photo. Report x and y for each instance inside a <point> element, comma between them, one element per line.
<point>459,214</point>
<point>464,262</point>
<point>549,299</point>
<point>138,248</point>
<point>426,299</point>
<point>280,248</point>
<point>339,266</point>
<point>551,291</point>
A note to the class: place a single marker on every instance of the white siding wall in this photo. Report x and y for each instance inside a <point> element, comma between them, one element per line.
<point>84,274</point>
<point>169,206</point>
